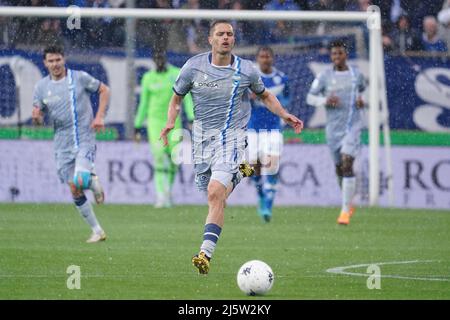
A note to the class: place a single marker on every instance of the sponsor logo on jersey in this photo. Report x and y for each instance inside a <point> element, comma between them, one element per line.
<point>206,84</point>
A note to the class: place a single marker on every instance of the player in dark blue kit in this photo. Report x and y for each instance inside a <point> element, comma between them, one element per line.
<point>265,138</point>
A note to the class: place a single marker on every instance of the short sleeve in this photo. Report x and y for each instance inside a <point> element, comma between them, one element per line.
<point>256,83</point>
<point>183,83</point>
<point>90,83</point>
<point>318,84</point>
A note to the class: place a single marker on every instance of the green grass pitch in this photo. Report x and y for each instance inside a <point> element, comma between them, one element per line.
<point>148,253</point>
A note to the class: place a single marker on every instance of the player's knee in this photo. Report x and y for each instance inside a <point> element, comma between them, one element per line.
<point>76,193</point>
<point>271,165</point>
<point>216,193</point>
<point>347,166</point>
<point>339,170</point>
<point>80,200</point>
<point>82,180</point>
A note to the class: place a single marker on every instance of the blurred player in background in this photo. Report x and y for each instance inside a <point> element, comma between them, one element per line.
<point>217,81</point>
<point>265,139</point>
<point>156,91</point>
<point>339,89</point>
<point>65,96</point>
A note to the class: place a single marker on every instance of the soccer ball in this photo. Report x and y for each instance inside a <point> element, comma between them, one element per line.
<point>255,278</point>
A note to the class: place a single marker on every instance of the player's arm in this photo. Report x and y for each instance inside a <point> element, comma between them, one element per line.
<point>189,107</point>
<point>142,108</point>
<point>99,120</point>
<point>275,107</point>
<point>37,114</point>
<point>174,110</point>
<point>315,95</point>
<point>181,88</point>
<point>362,93</point>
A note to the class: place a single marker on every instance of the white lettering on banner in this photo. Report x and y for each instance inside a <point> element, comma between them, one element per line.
<point>436,94</point>
<point>306,173</point>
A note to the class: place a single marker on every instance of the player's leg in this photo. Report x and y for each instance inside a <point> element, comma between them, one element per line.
<point>348,182</point>
<point>339,174</point>
<point>220,185</point>
<point>84,178</point>
<point>172,168</point>
<point>84,175</point>
<point>253,158</point>
<point>85,209</point>
<point>161,175</point>
<point>350,147</point>
<point>272,144</point>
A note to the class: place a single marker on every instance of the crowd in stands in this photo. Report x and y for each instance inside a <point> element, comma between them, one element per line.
<point>408,25</point>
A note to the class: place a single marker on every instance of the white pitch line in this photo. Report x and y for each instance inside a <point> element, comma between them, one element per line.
<point>341,270</point>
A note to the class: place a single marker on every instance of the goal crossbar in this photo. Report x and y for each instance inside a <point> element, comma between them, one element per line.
<point>184,14</point>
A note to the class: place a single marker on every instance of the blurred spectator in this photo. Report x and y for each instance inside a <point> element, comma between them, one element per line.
<point>323,27</point>
<point>195,29</point>
<point>239,26</point>
<point>280,30</point>
<point>224,4</point>
<point>404,38</point>
<point>431,40</point>
<point>27,30</point>
<point>151,32</point>
<point>49,33</point>
<point>66,3</point>
<point>328,5</point>
<point>105,31</point>
<point>363,5</point>
<point>444,20</point>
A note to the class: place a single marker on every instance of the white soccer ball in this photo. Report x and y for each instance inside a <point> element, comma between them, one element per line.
<point>255,278</point>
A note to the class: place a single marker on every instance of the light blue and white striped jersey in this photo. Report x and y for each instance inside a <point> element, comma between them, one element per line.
<point>67,102</point>
<point>217,94</point>
<point>347,86</point>
<point>262,118</point>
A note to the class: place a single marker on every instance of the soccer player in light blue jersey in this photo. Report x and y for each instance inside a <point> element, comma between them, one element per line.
<point>265,140</point>
<point>65,96</point>
<point>339,89</point>
<point>217,81</point>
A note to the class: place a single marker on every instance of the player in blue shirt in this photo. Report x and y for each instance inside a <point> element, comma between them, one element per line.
<point>264,132</point>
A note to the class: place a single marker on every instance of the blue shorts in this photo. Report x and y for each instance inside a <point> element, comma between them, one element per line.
<point>67,163</point>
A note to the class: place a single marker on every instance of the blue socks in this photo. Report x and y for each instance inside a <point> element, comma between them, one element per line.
<point>210,237</point>
<point>269,189</point>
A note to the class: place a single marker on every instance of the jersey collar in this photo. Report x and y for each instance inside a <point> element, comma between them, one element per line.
<point>232,63</point>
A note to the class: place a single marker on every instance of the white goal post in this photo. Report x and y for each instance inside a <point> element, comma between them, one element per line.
<point>372,17</point>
